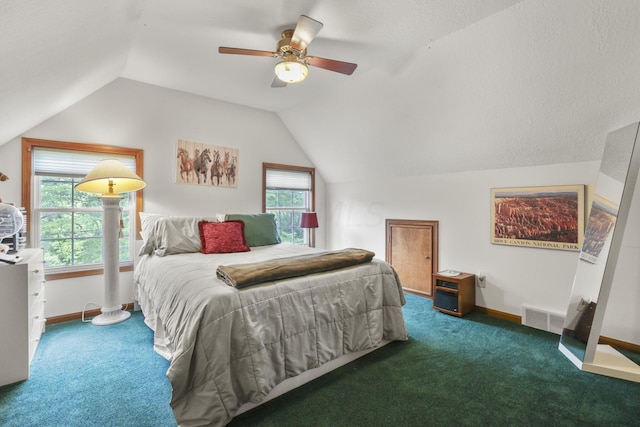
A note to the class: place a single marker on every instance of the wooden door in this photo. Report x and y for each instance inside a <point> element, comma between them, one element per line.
<point>412,249</point>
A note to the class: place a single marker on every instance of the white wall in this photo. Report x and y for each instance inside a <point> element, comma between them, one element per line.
<point>132,114</point>
<point>539,83</point>
<point>541,278</point>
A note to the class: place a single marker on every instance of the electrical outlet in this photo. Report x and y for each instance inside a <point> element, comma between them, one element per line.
<point>583,303</point>
<point>481,280</point>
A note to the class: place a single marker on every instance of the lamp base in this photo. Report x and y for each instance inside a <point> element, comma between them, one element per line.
<point>110,316</point>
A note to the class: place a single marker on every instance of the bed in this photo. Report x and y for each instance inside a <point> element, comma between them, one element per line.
<point>230,347</point>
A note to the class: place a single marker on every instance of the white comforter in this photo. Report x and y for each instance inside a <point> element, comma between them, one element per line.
<point>229,346</point>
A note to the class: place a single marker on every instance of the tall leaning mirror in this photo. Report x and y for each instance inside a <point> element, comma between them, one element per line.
<point>598,258</point>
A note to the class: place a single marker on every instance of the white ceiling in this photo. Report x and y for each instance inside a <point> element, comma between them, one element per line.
<point>441,85</point>
<point>176,43</point>
<point>56,53</point>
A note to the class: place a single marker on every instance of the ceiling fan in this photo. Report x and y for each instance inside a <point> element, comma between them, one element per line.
<point>292,49</point>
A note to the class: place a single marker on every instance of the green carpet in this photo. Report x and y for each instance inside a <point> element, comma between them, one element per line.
<point>474,371</point>
<point>86,375</point>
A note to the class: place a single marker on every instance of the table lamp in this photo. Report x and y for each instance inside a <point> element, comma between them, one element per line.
<point>310,220</point>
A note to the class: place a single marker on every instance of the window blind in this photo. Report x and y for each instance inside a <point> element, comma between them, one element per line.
<point>278,179</point>
<point>52,162</point>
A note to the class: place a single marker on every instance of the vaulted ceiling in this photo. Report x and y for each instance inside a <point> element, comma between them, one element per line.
<point>434,77</point>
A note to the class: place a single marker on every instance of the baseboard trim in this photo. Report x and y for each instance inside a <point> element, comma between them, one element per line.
<point>620,345</point>
<point>417,293</point>
<point>617,344</point>
<point>78,316</point>
<point>499,314</point>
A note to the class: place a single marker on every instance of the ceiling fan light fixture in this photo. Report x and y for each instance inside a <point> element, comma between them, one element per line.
<point>291,71</point>
<point>292,51</point>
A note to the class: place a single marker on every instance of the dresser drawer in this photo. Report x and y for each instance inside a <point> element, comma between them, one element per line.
<point>36,297</point>
<point>22,321</point>
<point>35,333</point>
<point>36,273</point>
<point>36,317</point>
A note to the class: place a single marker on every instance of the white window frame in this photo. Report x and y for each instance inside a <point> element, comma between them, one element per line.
<point>31,193</point>
<point>289,179</point>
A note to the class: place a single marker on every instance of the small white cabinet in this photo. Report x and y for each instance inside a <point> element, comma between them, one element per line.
<point>22,319</point>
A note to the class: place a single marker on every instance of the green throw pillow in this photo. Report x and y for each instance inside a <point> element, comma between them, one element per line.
<point>259,229</point>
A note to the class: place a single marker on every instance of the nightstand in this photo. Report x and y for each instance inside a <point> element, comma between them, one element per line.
<point>454,295</point>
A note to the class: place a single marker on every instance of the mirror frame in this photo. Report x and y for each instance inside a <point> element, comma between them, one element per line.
<point>599,358</point>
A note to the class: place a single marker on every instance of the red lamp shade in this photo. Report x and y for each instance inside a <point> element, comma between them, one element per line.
<point>309,220</point>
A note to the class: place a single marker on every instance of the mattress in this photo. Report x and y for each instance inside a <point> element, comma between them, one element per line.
<point>228,347</point>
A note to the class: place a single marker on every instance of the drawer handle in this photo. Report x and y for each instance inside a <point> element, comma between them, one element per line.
<point>35,294</point>
<point>36,271</point>
<point>36,317</point>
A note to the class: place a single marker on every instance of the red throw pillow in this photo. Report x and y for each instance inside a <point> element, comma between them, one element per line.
<point>222,237</point>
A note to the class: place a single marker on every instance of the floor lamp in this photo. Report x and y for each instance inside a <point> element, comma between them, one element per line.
<point>310,220</point>
<point>110,178</point>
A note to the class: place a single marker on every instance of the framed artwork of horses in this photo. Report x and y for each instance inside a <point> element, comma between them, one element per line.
<point>206,164</point>
<point>538,217</point>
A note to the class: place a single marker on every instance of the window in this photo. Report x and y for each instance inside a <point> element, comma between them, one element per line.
<point>65,222</point>
<point>287,192</point>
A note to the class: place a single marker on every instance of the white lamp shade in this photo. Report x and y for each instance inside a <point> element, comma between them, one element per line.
<point>291,71</point>
<point>110,177</point>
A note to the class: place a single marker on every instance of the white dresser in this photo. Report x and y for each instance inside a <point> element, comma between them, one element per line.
<point>22,319</point>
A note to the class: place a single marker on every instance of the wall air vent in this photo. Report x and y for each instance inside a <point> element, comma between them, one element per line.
<point>542,319</point>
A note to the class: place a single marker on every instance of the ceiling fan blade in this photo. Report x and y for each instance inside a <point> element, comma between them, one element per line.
<point>278,83</point>
<point>306,29</point>
<point>237,51</point>
<point>332,65</point>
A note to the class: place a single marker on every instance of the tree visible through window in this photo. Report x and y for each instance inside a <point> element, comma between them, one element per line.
<point>70,223</point>
<point>65,222</point>
<point>288,191</point>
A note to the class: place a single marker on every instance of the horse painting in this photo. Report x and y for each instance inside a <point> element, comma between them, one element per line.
<point>216,168</point>
<point>186,164</point>
<point>230,168</point>
<point>206,164</point>
<point>201,164</point>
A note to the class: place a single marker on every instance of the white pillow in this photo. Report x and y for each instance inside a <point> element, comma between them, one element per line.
<point>167,235</point>
<point>147,222</point>
<point>176,235</point>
